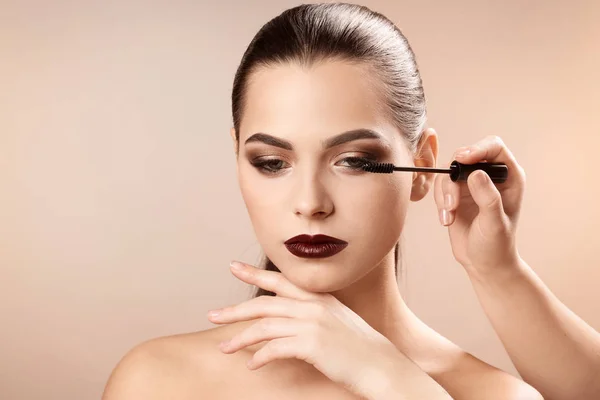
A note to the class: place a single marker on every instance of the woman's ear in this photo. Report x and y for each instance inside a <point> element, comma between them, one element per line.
<point>426,156</point>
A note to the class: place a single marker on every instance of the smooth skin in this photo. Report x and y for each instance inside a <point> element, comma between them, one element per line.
<point>319,330</point>
<point>338,327</point>
<point>552,348</point>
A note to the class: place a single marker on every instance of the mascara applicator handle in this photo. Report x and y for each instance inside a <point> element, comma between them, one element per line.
<point>498,172</point>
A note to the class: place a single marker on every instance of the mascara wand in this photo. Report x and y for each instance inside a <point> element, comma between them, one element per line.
<point>498,172</point>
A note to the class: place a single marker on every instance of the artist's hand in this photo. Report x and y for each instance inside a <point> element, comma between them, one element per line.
<point>314,327</point>
<point>482,217</point>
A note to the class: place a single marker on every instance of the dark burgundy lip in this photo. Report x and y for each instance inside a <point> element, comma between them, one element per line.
<point>316,239</point>
<point>315,250</point>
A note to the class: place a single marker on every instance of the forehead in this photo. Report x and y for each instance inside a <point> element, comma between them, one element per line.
<point>288,100</point>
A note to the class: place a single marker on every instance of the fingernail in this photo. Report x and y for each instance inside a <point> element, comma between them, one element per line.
<point>214,313</point>
<point>448,201</point>
<point>236,266</point>
<point>224,344</point>
<point>445,215</point>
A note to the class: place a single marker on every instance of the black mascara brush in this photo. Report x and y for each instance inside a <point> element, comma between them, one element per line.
<point>498,172</point>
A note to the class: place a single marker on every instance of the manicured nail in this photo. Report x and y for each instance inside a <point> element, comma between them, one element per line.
<point>445,217</point>
<point>236,266</point>
<point>448,201</point>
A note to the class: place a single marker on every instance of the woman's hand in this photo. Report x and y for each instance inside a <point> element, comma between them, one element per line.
<point>316,328</point>
<point>481,217</point>
<point>482,223</point>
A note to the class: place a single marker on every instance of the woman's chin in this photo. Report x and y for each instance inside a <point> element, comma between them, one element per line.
<point>317,276</point>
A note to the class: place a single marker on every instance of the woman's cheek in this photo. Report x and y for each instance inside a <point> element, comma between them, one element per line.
<point>258,192</point>
<point>387,202</point>
<point>395,190</point>
<point>259,202</point>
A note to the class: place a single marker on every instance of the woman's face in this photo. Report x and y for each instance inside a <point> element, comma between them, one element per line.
<point>296,178</point>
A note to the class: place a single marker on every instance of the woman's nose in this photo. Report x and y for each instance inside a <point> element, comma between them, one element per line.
<point>312,200</point>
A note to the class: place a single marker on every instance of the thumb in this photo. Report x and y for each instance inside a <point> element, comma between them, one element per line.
<point>486,195</point>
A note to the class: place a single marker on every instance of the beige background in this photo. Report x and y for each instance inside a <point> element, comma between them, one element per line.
<point>119,207</point>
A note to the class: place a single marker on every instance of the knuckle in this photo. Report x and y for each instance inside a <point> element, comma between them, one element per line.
<point>233,309</point>
<point>265,325</point>
<point>319,309</point>
<point>274,348</point>
<point>260,300</point>
<point>446,184</point>
<point>267,352</point>
<point>313,343</point>
<point>497,140</point>
<point>314,329</point>
<point>437,187</point>
<point>495,203</point>
<point>279,280</point>
<point>327,299</point>
<point>252,273</point>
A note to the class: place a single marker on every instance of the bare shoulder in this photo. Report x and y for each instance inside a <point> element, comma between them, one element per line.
<point>180,366</point>
<point>466,377</point>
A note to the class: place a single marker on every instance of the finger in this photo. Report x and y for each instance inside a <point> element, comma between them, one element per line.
<point>491,149</point>
<point>266,306</point>
<point>265,329</point>
<point>451,198</point>
<point>446,214</point>
<point>272,281</point>
<point>438,192</point>
<point>279,349</point>
<point>486,196</point>
<point>451,193</point>
<point>447,198</point>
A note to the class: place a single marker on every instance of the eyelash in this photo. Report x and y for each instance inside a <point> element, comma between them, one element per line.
<point>265,166</point>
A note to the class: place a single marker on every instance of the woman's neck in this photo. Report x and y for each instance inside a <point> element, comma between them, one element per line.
<point>376,298</point>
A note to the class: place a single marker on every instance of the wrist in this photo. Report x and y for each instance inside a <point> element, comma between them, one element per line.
<point>380,379</point>
<point>385,384</point>
<point>397,378</point>
<point>502,273</point>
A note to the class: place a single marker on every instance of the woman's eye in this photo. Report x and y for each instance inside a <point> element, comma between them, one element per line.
<point>271,166</point>
<point>356,162</point>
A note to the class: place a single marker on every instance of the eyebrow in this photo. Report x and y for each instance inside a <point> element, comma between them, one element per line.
<point>345,137</point>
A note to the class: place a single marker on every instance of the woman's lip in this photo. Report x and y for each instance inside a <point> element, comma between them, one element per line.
<point>317,250</point>
<point>316,239</point>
